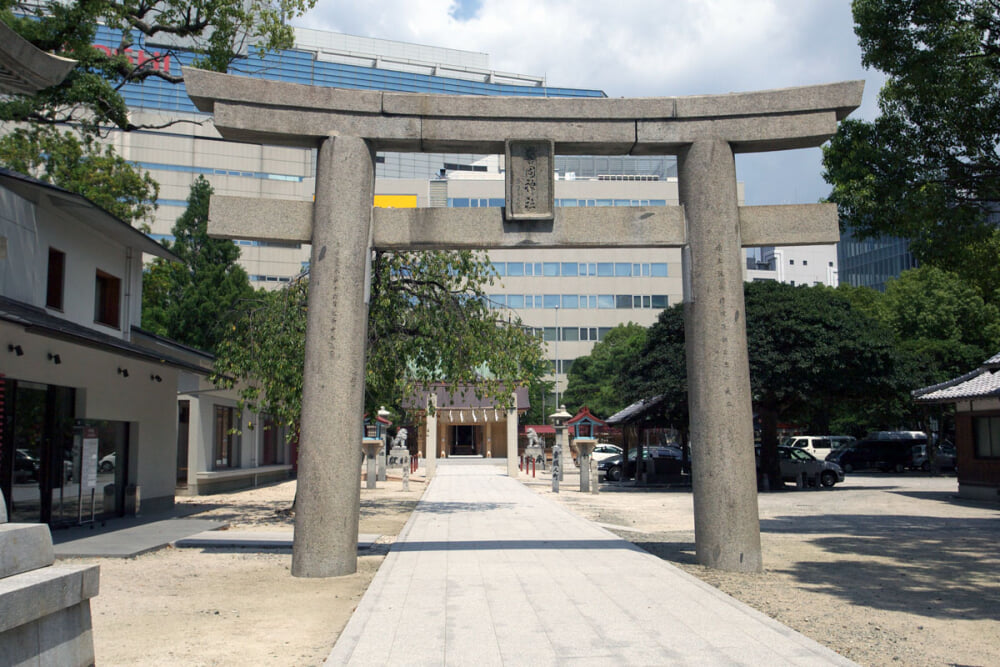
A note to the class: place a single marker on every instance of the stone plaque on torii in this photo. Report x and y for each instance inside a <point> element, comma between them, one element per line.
<point>349,126</point>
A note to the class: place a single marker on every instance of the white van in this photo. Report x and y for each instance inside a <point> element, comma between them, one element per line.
<point>817,445</point>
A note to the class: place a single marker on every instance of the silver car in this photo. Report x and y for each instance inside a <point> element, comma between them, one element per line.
<point>795,462</point>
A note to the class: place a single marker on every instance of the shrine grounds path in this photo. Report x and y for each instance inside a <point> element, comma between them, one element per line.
<point>488,572</point>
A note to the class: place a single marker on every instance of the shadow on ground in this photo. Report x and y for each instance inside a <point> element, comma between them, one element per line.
<point>941,567</point>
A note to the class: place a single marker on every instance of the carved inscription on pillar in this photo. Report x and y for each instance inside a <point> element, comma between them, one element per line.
<point>529,179</point>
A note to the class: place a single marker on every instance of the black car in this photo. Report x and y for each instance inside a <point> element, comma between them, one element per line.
<point>666,461</point>
<point>884,455</point>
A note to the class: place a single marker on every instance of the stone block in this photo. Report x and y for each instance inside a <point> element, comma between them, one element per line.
<point>64,637</point>
<point>30,596</point>
<point>262,219</point>
<point>590,227</point>
<point>571,137</point>
<point>745,134</point>
<point>788,225</point>
<point>24,547</point>
<point>530,180</point>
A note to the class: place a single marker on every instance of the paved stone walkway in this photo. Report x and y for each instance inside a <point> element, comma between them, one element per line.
<point>486,572</point>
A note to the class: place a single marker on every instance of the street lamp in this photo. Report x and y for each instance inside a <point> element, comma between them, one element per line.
<point>559,422</point>
<point>556,374</point>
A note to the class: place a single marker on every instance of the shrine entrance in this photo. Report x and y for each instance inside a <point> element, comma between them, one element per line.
<point>464,439</point>
<point>349,126</point>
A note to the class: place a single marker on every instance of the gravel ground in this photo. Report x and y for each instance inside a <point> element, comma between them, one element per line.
<point>886,570</point>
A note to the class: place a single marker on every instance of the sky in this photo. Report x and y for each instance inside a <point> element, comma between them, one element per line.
<point>645,48</point>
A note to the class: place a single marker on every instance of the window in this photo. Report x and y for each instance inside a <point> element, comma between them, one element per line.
<point>107,299</point>
<point>986,437</point>
<point>569,269</point>
<point>605,269</point>
<point>570,300</point>
<point>659,300</point>
<point>605,300</point>
<point>623,269</point>
<point>550,269</point>
<point>658,270</point>
<point>515,268</point>
<point>623,301</point>
<point>226,443</point>
<point>550,334</point>
<point>56,279</point>
<point>551,300</point>
<point>571,333</point>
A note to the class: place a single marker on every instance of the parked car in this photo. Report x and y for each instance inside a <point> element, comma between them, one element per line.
<point>945,455</point>
<point>610,468</point>
<point>605,450</point>
<point>795,462</point>
<point>602,451</point>
<point>887,455</point>
<point>819,446</point>
<point>666,460</point>
<point>25,467</point>
<point>107,463</point>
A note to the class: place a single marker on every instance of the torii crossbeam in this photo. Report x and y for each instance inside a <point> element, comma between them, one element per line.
<point>348,126</point>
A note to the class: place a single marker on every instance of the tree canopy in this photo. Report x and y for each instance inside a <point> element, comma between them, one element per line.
<point>187,301</point>
<point>812,356</point>
<point>927,169</point>
<point>149,34</point>
<point>428,321</point>
<point>595,380</point>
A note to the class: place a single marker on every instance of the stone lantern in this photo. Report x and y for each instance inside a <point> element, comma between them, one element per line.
<point>559,420</point>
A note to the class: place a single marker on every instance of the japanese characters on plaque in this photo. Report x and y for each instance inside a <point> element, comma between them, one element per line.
<point>530,180</point>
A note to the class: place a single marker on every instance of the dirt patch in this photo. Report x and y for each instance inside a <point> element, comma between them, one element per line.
<point>884,570</point>
<point>237,606</point>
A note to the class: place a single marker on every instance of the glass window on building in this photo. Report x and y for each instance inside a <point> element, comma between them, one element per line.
<point>605,300</point>
<point>623,301</point>
<point>569,269</point>
<point>571,334</point>
<point>659,300</point>
<point>636,301</point>
<point>646,301</point>
<point>986,437</point>
<point>497,300</point>
<point>550,334</point>
<point>592,269</point>
<point>605,269</point>
<point>551,301</point>
<point>658,269</point>
<point>515,269</point>
<point>226,442</point>
<point>550,269</point>
<point>592,301</point>
<point>623,269</point>
<point>570,301</point>
<point>515,300</point>
<point>602,332</point>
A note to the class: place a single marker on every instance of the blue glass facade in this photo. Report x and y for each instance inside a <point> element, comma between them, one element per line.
<point>297,66</point>
<point>872,262</point>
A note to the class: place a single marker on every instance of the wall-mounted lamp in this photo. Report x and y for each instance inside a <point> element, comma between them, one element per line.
<point>55,358</point>
<point>155,378</point>
<point>16,349</point>
<point>123,372</point>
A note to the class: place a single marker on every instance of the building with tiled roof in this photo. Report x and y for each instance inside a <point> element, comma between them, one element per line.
<point>976,397</point>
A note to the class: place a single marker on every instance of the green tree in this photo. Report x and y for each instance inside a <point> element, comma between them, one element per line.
<point>219,31</point>
<point>188,300</point>
<point>89,100</point>
<point>810,353</point>
<point>428,321</point>
<point>84,166</point>
<point>595,380</point>
<point>927,169</point>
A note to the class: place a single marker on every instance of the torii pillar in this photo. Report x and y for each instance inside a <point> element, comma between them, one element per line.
<point>703,132</point>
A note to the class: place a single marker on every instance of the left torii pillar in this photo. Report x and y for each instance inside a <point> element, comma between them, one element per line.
<point>329,481</point>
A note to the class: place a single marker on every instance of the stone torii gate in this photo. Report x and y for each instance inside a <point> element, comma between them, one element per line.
<point>349,126</point>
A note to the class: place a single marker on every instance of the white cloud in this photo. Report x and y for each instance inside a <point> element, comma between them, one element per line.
<point>639,48</point>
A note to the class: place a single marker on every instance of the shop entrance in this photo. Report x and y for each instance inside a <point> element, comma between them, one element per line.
<point>36,451</point>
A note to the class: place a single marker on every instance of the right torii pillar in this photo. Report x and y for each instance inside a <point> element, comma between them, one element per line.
<point>718,369</point>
